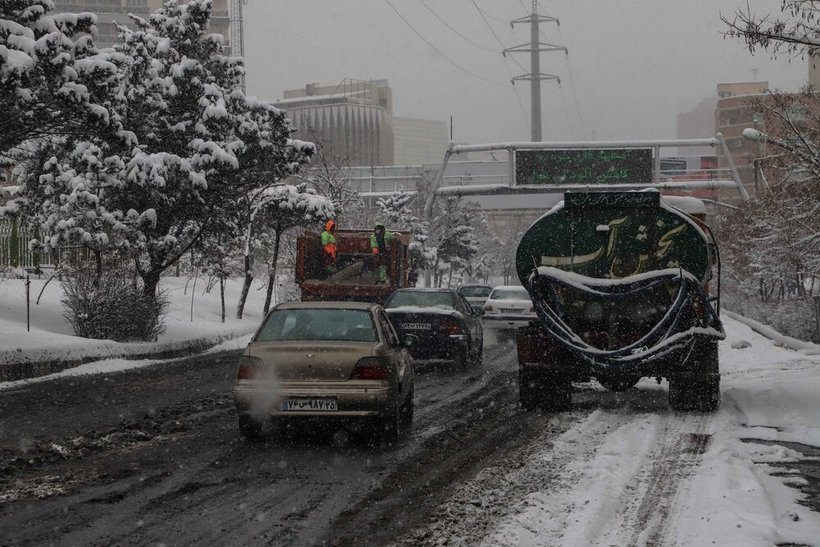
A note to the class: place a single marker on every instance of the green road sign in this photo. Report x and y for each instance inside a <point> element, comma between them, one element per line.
<point>589,166</point>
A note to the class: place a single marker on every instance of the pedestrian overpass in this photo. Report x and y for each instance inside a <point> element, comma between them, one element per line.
<point>515,178</point>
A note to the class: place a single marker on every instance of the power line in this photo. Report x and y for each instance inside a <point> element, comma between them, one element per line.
<point>506,63</point>
<point>496,19</point>
<point>497,39</point>
<point>481,13</point>
<point>454,30</point>
<point>574,95</point>
<point>520,104</point>
<point>426,41</point>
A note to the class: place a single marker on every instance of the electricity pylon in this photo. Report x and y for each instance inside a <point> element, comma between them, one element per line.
<point>534,48</point>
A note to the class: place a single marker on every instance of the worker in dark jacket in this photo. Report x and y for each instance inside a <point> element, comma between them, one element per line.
<point>380,241</point>
<point>329,247</point>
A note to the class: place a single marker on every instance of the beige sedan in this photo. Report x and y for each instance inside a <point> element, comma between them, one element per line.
<point>326,360</point>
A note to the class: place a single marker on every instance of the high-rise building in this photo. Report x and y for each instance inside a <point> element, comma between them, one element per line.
<point>115,12</point>
<point>354,120</point>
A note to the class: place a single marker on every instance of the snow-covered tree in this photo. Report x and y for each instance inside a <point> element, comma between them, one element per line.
<point>66,197</point>
<point>452,235</point>
<point>328,176</point>
<point>185,145</point>
<point>794,33</point>
<point>486,257</point>
<point>51,76</point>
<point>395,212</point>
<point>288,207</point>
<point>776,238</point>
<point>217,254</point>
<point>772,244</point>
<point>508,244</point>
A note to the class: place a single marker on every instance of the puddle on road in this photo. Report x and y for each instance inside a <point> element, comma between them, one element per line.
<point>806,468</point>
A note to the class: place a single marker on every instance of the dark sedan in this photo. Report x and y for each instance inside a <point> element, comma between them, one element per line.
<point>447,327</point>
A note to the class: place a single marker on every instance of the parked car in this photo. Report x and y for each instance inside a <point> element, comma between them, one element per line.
<point>507,308</point>
<point>448,329</point>
<point>326,360</point>
<point>476,295</point>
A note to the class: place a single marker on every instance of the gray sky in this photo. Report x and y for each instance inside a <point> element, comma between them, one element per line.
<point>632,64</point>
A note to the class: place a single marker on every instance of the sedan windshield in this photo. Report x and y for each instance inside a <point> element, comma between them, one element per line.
<point>510,294</point>
<point>318,324</point>
<point>423,299</point>
<point>475,291</point>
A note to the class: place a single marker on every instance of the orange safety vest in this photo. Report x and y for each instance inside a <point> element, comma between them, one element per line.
<point>329,240</point>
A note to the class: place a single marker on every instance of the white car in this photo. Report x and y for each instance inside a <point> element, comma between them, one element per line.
<point>507,308</point>
<point>475,295</point>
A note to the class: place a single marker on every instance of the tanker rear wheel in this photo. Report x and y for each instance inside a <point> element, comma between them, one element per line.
<point>699,389</point>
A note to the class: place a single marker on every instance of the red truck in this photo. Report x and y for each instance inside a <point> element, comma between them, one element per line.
<point>355,278</point>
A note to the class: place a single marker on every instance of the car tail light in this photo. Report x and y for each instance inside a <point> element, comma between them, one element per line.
<point>370,368</point>
<point>449,325</point>
<point>488,307</point>
<point>698,308</point>
<point>532,308</point>
<point>250,368</point>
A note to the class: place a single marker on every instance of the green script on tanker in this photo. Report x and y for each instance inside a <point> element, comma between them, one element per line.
<point>595,166</point>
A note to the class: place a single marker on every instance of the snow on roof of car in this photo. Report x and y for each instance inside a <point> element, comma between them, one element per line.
<point>510,287</point>
<point>687,204</point>
<point>326,305</point>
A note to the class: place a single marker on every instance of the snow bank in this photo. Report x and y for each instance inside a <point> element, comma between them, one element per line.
<point>193,321</point>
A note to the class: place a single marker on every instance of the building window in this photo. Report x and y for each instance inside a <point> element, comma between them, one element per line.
<point>797,112</point>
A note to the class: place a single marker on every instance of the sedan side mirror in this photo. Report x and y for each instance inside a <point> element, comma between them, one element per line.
<point>478,311</point>
<point>410,339</point>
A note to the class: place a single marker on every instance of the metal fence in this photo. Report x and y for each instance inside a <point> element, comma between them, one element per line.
<point>15,252</point>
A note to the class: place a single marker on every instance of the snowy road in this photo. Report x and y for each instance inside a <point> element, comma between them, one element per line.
<point>153,455</point>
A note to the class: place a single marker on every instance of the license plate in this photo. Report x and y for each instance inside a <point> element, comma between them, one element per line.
<point>416,326</point>
<point>510,310</point>
<point>310,405</point>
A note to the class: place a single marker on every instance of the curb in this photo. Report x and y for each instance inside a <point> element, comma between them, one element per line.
<point>788,342</point>
<point>28,368</point>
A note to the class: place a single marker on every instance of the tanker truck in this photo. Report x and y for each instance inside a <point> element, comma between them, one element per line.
<point>625,285</point>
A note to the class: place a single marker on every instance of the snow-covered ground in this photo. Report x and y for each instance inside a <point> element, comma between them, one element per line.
<point>633,476</point>
<point>684,478</point>
<point>194,316</point>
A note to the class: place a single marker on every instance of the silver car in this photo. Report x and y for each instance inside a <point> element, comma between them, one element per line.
<point>475,295</point>
<point>331,361</point>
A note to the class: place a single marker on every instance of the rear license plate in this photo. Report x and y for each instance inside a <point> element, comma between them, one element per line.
<point>310,405</point>
<point>416,326</point>
<point>510,310</point>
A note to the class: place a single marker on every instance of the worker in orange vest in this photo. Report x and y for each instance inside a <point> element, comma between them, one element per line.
<point>329,247</point>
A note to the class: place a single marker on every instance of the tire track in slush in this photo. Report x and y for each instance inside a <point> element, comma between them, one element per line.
<point>664,481</point>
<point>612,476</point>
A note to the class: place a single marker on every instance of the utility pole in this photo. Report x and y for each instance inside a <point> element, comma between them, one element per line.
<point>534,48</point>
